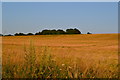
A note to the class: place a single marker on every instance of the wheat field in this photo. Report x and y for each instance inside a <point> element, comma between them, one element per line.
<point>60,56</point>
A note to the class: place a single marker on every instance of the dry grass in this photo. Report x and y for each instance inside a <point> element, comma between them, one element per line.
<point>61,56</point>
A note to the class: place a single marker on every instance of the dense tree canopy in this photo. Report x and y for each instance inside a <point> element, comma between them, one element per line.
<point>1,34</point>
<point>30,34</point>
<point>89,33</point>
<point>73,31</point>
<point>59,31</point>
<point>51,32</point>
<point>19,34</point>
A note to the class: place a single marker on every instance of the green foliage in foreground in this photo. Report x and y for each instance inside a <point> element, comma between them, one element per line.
<point>47,67</point>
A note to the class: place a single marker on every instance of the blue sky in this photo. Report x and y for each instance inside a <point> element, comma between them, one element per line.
<point>96,17</point>
<point>0,17</point>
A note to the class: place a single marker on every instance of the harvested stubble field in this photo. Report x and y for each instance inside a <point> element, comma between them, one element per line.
<point>60,56</point>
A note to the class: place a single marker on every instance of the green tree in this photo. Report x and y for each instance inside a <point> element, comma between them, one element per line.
<point>73,31</point>
<point>30,34</point>
<point>59,31</point>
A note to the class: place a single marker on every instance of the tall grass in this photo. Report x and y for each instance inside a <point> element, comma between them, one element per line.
<point>46,66</point>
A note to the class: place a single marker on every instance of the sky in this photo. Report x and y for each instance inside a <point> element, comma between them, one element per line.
<point>95,17</point>
<point>0,17</point>
<point>59,0</point>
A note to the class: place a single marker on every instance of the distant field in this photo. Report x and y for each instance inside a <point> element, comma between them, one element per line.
<point>76,56</point>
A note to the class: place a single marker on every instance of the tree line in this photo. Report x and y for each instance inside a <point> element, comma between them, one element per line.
<point>50,32</point>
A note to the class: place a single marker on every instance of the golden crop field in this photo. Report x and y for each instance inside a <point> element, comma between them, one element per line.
<point>60,56</point>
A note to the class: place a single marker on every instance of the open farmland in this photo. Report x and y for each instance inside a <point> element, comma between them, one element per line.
<point>60,56</point>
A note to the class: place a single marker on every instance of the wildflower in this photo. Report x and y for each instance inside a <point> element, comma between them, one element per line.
<point>63,64</point>
<point>60,69</point>
<point>69,67</point>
